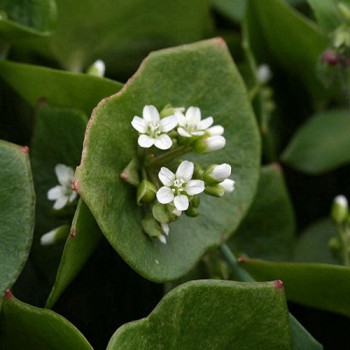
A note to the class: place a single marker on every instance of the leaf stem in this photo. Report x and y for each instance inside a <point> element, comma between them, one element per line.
<point>343,235</point>
<point>169,156</point>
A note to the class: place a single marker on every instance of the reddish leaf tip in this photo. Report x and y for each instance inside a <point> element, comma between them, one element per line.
<point>220,41</point>
<point>73,233</point>
<point>331,57</point>
<point>279,284</point>
<point>8,294</point>
<point>25,149</point>
<point>278,166</point>
<point>123,176</point>
<point>242,259</point>
<point>74,186</point>
<point>41,101</point>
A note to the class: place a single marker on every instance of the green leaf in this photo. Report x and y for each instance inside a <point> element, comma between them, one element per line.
<point>313,243</point>
<point>232,9</point>
<point>16,212</point>
<point>322,144</point>
<point>322,286</point>
<point>23,18</point>
<point>270,23</point>
<point>208,79</point>
<point>57,138</point>
<point>267,232</point>
<point>212,315</point>
<point>327,14</point>
<point>64,89</point>
<point>84,237</point>
<point>123,32</point>
<point>23,326</point>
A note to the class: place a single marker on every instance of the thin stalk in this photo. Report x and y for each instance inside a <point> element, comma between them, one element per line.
<point>344,246</point>
<point>169,156</point>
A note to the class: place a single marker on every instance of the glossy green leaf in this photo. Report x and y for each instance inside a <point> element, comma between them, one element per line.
<point>23,18</point>
<point>269,23</point>
<point>322,286</point>
<point>322,144</point>
<point>267,232</point>
<point>232,9</point>
<point>122,33</point>
<point>84,237</point>
<point>213,315</point>
<point>313,244</point>
<point>59,88</point>
<point>57,138</point>
<point>25,327</point>
<point>16,212</point>
<point>326,13</point>
<point>208,79</point>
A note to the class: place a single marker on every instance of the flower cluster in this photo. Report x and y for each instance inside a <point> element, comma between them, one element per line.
<point>165,194</point>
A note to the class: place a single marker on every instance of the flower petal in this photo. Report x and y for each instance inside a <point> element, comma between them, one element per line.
<point>64,174</point>
<point>221,172</point>
<point>165,195</point>
<point>165,228</point>
<point>228,185</point>
<point>162,238</point>
<point>181,119</point>
<point>145,141</point>
<point>181,202</point>
<point>163,142</point>
<point>193,115</point>
<point>60,203</point>
<point>205,123</point>
<point>150,114</point>
<point>72,197</point>
<point>166,176</point>
<point>139,124</point>
<point>216,130</point>
<point>194,187</point>
<point>185,170</point>
<point>197,133</point>
<point>168,123</point>
<point>55,193</point>
<point>182,132</point>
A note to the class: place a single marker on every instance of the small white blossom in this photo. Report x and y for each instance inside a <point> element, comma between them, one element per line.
<point>228,185</point>
<point>177,187</point>
<point>263,73</point>
<point>154,130</point>
<point>341,201</point>
<point>48,238</point>
<point>220,172</point>
<point>191,124</point>
<point>210,144</point>
<point>63,193</point>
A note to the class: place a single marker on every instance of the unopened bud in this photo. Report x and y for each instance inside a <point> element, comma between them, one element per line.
<point>146,192</point>
<point>55,236</point>
<point>216,130</point>
<point>163,213</point>
<point>263,74</point>
<point>340,209</point>
<point>217,173</point>
<point>334,244</point>
<point>228,185</point>
<point>209,144</point>
<point>151,226</point>
<point>170,110</point>
<point>214,190</point>
<point>192,212</point>
<point>97,69</point>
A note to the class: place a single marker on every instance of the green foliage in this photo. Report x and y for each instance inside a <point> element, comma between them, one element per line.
<point>25,327</point>
<point>314,149</point>
<point>318,285</point>
<point>16,212</point>
<point>107,151</point>
<point>232,304</point>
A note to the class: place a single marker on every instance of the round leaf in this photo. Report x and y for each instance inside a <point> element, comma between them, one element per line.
<point>16,212</point>
<point>203,75</point>
<point>212,315</point>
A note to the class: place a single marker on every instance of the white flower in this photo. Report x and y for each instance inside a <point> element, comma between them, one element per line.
<point>341,201</point>
<point>191,123</point>
<point>217,173</point>
<point>210,144</point>
<point>263,73</point>
<point>63,193</point>
<point>154,130</point>
<point>228,185</point>
<point>177,187</point>
<point>48,238</point>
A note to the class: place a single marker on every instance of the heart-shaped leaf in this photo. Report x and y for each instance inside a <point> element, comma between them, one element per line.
<point>318,285</point>
<point>212,315</point>
<point>16,212</point>
<point>208,79</point>
<point>314,149</point>
<point>272,213</point>
<point>56,87</point>
<point>80,244</point>
<point>25,327</point>
<point>23,18</point>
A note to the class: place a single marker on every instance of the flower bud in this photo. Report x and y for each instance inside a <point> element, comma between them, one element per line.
<point>334,244</point>
<point>228,185</point>
<point>263,74</point>
<point>55,236</point>
<point>170,110</point>
<point>217,173</point>
<point>146,192</point>
<point>216,130</point>
<point>214,190</point>
<point>209,144</point>
<point>192,212</point>
<point>151,226</point>
<point>97,69</point>
<point>163,213</point>
<point>340,209</point>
